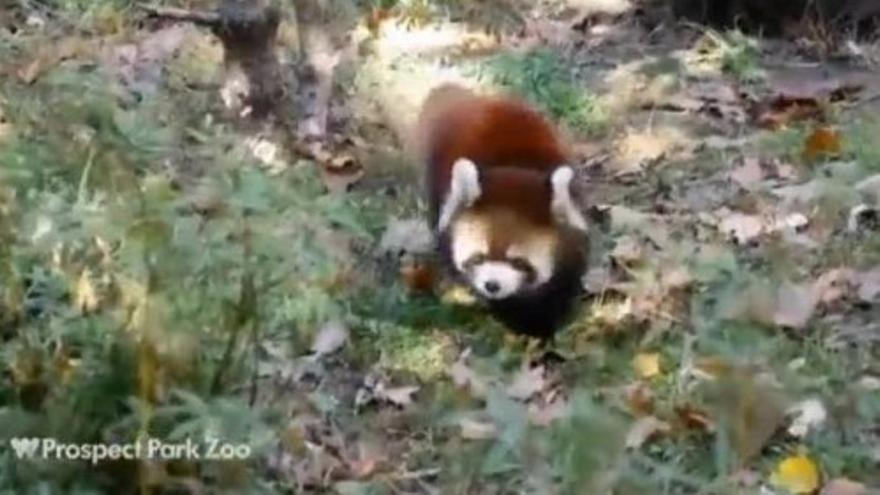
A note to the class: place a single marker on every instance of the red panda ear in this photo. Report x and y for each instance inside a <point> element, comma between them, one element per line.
<point>464,190</point>
<point>562,205</point>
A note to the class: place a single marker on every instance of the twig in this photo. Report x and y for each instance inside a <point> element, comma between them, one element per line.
<point>197,17</point>
<point>417,475</point>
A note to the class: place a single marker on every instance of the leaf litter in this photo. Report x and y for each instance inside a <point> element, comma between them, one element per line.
<point>643,241</point>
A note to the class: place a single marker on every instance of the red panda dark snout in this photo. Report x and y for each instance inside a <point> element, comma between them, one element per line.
<point>500,203</point>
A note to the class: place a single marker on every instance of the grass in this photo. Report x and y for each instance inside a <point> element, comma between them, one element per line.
<point>131,303</point>
<point>544,79</point>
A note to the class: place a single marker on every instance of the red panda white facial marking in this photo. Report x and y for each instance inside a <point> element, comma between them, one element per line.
<point>527,261</point>
<point>498,252</point>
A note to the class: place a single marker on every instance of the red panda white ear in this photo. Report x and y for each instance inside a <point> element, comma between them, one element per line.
<point>464,190</point>
<point>562,205</point>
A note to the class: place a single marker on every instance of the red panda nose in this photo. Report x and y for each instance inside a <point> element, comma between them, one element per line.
<point>492,286</point>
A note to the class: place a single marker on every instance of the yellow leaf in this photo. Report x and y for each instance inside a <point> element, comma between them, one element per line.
<point>87,298</point>
<point>459,295</point>
<point>647,365</point>
<point>797,474</point>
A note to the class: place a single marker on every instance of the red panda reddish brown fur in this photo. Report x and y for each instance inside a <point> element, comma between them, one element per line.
<point>515,152</point>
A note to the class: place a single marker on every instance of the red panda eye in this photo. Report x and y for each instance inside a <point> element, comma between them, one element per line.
<point>475,260</point>
<point>522,264</point>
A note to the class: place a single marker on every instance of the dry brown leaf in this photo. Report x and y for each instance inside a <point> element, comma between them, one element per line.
<point>834,285</point>
<point>627,251</point>
<point>691,418</point>
<point>824,142</point>
<point>843,486</point>
<point>410,236</point>
<point>869,286</point>
<point>86,294</point>
<point>527,383</point>
<point>795,305</point>
<point>639,399</point>
<point>330,338</point>
<point>50,56</point>
<point>643,430</point>
<point>418,277</point>
<point>713,366</point>
<point>749,173</point>
<point>741,228</point>
<point>341,172</point>
<point>543,414</point>
<point>870,188</point>
<point>780,111</point>
<point>676,278</point>
<point>476,429</point>
<point>596,280</point>
<point>399,396</point>
<point>465,377</point>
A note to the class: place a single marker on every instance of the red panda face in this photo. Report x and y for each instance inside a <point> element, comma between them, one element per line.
<point>505,248</point>
<point>499,255</point>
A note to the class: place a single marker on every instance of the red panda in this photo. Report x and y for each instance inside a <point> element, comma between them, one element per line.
<point>501,208</point>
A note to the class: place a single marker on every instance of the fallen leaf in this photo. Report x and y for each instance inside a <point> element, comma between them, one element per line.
<point>647,365</point>
<point>543,414</point>
<point>780,111</point>
<point>869,383</point>
<point>341,172</point>
<point>463,376</point>
<point>627,251</point>
<point>869,286</point>
<point>693,419</point>
<point>823,142</point>
<point>795,305</point>
<point>86,295</point>
<point>808,415</point>
<point>843,486</point>
<point>676,278</point>
<point>870,188</point>
<point>399,396</point>
<point>643,430</point>
<point>800,194</point>
<point>50,56</point>
<point>526,383</point>
<point>459,295</point>
<point>639,399</point>
<point>475,429</point>
<point>741,228</point>
<point>797,474</point>
<point>409,236</point>
<point>746,478</point>
<point>330,338</point>
<point>834,285</point>
<point>713,366</point>
<point>596,280</point>
<point>418,277</point>
<point>749,173</point>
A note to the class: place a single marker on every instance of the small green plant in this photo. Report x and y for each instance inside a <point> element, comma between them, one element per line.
<point>543,79</point>
<point>738,54</point>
